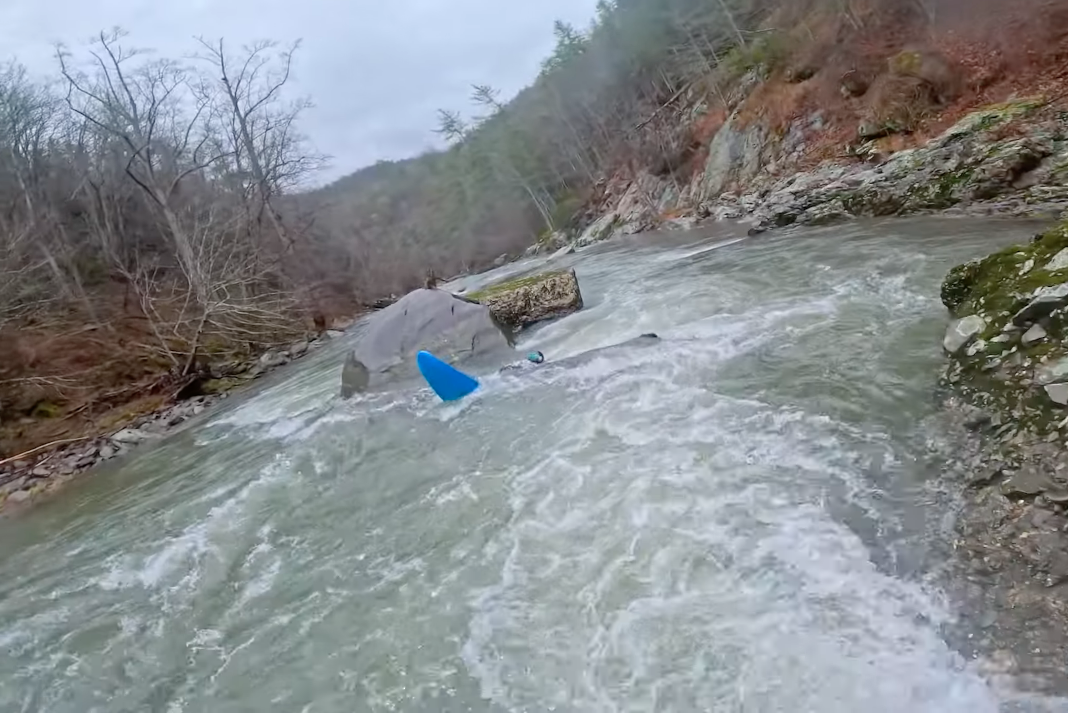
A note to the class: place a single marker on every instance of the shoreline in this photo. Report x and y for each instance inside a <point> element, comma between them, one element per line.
<point>41,472</point>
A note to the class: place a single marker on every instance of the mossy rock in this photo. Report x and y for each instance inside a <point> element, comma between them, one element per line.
<point>534,298</point>
<point>998,375</point>
<point>959,283</point>
<point>1000,282</point>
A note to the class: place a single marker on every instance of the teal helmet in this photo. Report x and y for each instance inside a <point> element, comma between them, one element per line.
<point>536,357</point>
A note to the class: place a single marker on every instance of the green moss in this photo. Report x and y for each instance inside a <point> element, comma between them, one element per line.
<point>941,193</point>
<point>999,376</point>
<point>45,409</point>
<point>566,210</point>
<point>218,386</point>
<point>995,284</point>
<point>767,53</point>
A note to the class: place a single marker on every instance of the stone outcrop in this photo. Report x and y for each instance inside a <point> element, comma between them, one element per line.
<point>451,327</point>
<point>1006,159</point>
<point>527,300</point>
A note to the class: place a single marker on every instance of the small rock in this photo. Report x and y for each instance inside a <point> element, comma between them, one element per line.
<point>298,349</point>
<point>1058,393</point>
<point>1026,483</point>
<point>1059,261</point>
<point>976,347</point>
<point>1057,496</point>
<point>1035,334</point>
<point>199,408</point>
<point>985,474</point>
<point>41,472</point>
<point>1052,373</point>
<point>17,484</point>
<point>962,332</point>
<point>107,451</point>
<point>272,359</point>
<point>1043,304</point>
<point>132,436</point>
<point>976,418</point>
<point>334,334</point>
<point>19,496</point>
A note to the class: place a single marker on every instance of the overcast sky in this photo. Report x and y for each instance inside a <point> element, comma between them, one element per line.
<point>377,70</point>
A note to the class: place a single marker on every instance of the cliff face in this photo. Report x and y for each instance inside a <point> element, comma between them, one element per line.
<point>1007,158</point>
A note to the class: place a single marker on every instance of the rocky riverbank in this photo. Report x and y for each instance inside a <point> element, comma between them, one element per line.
<point>27,477</point>
<point>1008,159</point>
<point>1007,374</point>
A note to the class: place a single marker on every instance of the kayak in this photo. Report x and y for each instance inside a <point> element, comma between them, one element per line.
<point>448,382</point>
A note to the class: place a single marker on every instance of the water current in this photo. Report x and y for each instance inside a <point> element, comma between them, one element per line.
<point>746,516</point>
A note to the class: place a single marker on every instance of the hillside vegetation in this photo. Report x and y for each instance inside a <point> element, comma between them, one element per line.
<point>151,225</point>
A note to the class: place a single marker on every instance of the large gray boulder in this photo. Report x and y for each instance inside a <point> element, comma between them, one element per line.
<point>450,327</point>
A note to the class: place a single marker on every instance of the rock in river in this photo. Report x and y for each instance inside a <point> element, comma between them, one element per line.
<point>961,332</point>
<point>525,301</point>
<point>451,327</point>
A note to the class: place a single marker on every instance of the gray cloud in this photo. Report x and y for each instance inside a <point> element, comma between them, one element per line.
<point>377,72</point>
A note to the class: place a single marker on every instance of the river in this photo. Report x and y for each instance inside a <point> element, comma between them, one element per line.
<point>747,516</point>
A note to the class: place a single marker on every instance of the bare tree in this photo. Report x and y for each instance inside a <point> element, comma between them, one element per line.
<point>163,126</point>
<point>261,125</point>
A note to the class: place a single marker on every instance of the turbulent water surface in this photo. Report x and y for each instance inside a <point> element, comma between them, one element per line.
<point>746,516</point>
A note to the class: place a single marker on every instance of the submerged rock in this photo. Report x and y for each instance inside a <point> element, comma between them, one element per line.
<point>354,377</point>
<point>451,327</point>
<point>520,303</point>
<point>962,332</point>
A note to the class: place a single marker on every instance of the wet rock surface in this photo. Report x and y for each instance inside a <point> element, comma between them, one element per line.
<point>1013,528</point>
<point>1010,570</point>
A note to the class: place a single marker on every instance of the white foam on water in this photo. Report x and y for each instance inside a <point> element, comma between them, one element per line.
<point>686,254</point>
<point>182,555</point>
<point>676,550</point>
<point>756,600</point>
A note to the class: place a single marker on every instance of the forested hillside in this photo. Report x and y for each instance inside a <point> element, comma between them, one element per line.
<point>152,222</point>
<point>646,87</point>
